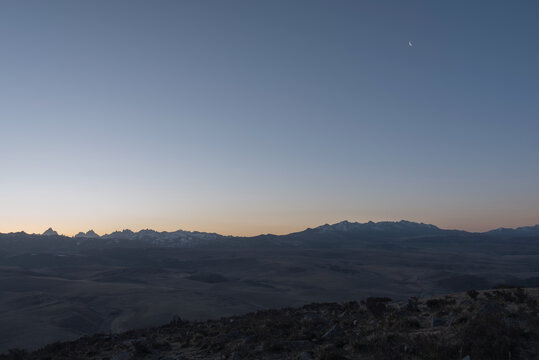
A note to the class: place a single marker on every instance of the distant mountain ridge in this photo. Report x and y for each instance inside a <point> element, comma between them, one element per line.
<point>403,227</point>
<point>384,234</point>
<point>520,231</point>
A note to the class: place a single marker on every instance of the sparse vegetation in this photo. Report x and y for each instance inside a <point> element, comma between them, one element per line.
<point>491,337</point>
<point>375,329</point>
<point>439,303</point>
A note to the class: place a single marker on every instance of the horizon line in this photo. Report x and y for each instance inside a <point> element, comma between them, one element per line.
<point>264,233</point>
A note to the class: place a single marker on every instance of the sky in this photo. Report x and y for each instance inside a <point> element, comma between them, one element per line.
<point>249,117</point>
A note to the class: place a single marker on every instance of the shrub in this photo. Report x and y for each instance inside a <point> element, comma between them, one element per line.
<point>17,354</point>
<point>505,296</point>
<point>410,323</point>
<point>472,294</point>
<point>433,347</point>
<point>377,305</point>
<point>413,304</point>
<point>141,348</point>
<point>520,295</point>
<point>440,303</point>
<point>490,337</point>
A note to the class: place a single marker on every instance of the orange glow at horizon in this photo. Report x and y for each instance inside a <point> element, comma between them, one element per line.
<point>235,228</point>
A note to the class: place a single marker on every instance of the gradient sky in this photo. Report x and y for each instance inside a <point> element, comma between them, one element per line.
<point>246,117</point>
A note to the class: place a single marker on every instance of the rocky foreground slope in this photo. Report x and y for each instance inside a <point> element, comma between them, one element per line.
<point>492,324</point>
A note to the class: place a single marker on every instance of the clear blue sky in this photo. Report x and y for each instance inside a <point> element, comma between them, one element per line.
<point>245,117</point>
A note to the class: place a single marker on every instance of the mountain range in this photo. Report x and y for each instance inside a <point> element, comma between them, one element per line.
<point>342,234</point>
<point>402,228</point>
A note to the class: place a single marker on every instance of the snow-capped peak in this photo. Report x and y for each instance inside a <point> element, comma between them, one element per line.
<point>50,232</point>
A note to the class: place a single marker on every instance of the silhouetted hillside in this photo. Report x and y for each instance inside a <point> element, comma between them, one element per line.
<point>493,324</point>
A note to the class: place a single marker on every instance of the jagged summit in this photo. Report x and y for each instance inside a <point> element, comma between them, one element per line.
<point>90,234</point>
<point>50,232</point>
<point>124,234</point>
<point>161,236</point>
